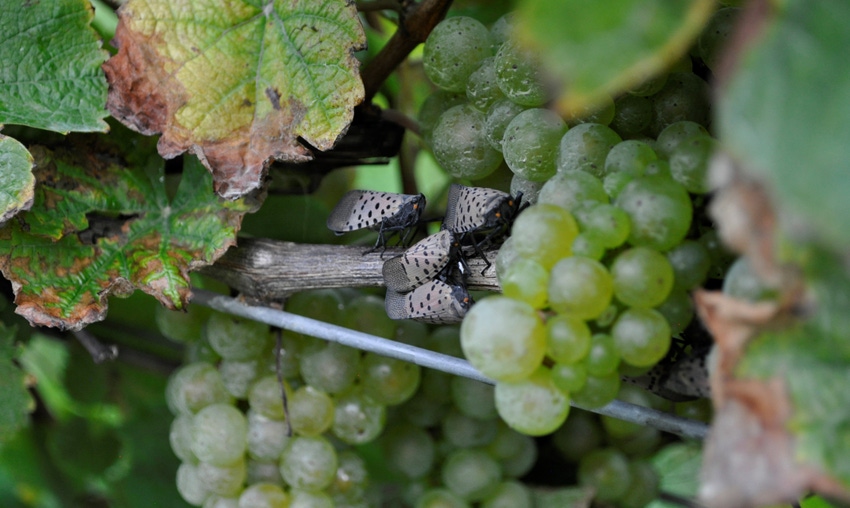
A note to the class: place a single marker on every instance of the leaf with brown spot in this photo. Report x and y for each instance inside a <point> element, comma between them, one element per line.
<point>237,83</point>
<point>99,226</point>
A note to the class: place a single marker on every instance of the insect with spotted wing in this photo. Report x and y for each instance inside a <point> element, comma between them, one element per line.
<point>385,212</point>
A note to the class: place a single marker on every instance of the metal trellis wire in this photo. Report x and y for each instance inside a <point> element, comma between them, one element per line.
<point>618,409</point>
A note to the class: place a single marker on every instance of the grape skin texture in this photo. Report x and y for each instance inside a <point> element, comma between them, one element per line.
<point>642,336</point>
<point>580,287</point>
<point>453,51</point>
<point>660,211</point>
<point>460,145</point>
<point>533,406</point>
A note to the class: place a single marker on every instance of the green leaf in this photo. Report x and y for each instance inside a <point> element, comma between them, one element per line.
<point>51,78</point>
<point>16,179</point>
<point>237,83</point>
<point>787,108</point>
<point>98,227</point>
<point>15,401</point>
<point>678,465</point>
<point>603,48</point>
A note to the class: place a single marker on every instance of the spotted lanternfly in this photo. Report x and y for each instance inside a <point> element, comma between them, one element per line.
<point>435,302</point>
<point>431,258</point>
<point>384,212</point>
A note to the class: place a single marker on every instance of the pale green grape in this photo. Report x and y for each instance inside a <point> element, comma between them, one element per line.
<point>597,391</point>
<point>530,143</point>
<point>423,411</point>
<point>643,487</point>
<point>580,287</point>
<point>642,443</point>
<point>264,495</point>
<point>658,168</point>
<point>330,367</point>
<point>266,397</point>
<point>690,262</point>
<point>659,209</point>
<point>578,436</point>
<point>409,450</point>
<point>529,189</point>
<point>482,89</point>
<point>742,281</point>
<point>239,375</point>
<point>588,246</point>
<point>305,499</point>
<point>632,115</point>
<point>388,381</point>
<point>446,340</point>
<point>440,498</point>
<point>689,163</point>
<point>585,148</point>
<point>567,338</point>
<point>685,96</point>
<point>569,377</point>
<point>225,480</point>
<point>602,358</point>
<point>266,438</point>
<point>509,494</point>
<point>642,336</point>
<point>473,398</point>
<point>460,145</point>
<point>357,418</point>
<point>502,29</point>
<point>507,443</point>
<point>525,280</point>
<point>572,190</point>
<point>614,183</point>
<point>642,277</point>
<point>533,406</point>
<point>194,387</point>
<point>630,156</point>
<point>650,86</point>
<point>466,432</point>
<point>503,338</point>
<point>351,476</point>
<point>676,133</point>
<point>311,411</point>
<point>498,118</point>
<point>608,316</point>
<point>180,438</point>
<point>434,106</point>
<point>609,225</point>
<point>185,327</point>
<point>471,474</point>
<point>721,258</point>
<point>520,76</point>
<point>263,472</point>
<point>716,35</point>
<point>607,471</point>
<point>200,351</point>
<point>219,434</point>
<point>290,347</point>
<point>520,463</point>
<point>189,486</point>
<point>544,233</point>
<point>617,428</point>
<point>236,338</point>
<point>678,310</point>
<point>309,463</point>
<point>216,501</point>
<point>601,113</point>
<point>436,385</point>
<point>453,51</point>
<point>366,313</point>
<point>506,257</point>
<point>411,332</point>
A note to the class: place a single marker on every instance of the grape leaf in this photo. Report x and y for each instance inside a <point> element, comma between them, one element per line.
<point>51,78</point>
<point>603,48</point>
<point>15,400</point>
<point>237,83</point>
<point>787,105</point>
<point>16,179</point>
<point>97,227</point>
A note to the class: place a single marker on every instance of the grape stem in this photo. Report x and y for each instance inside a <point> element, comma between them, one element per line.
<point>99,352</point>
<point>430,359</point>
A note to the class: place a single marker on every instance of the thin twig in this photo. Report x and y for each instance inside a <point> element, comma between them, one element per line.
<point>397,117</point>
<point>99,352</point>
<point>279,368</point>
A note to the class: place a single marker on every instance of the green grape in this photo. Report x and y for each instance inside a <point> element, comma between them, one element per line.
<point>411,332</point>
<point>597,391</point>
<point>606,223</point>
<point>266,397</point>
<point>607,471</point>
<point>608,316</point>
<point>422,411</point>
<point>236,338</point>
<point>587,245</point>
<point>194,387</point>
<point>503,338</point>
<point>569,377</point>
<point>580,287</point>
<point>685,96</point>
<point>530,143</point>
<point>544,233</point>
<point>602,359</point>
<point>453,51</point>
<point>659,209</point>
<point>507,443</point>
<point>311,411</point>
<point>506,257</point>
<point>689,163</point>
<point>266,438</point>
<point>499,116</point>
<point>219,434</point>
<point>614,183</point>
<point>642,336</point>
<point>473,398</point>
<point>471,474</point>
<point>630,156</point>
<point>460,145</point>
<point>642,443</point>
<point>305,499</point>
<point>632,115</point>
<point>238,376</point>
<point>330,367</point>
<point>519,464</point>
<point>189,486</point>
<point>200,351</point>
<point>388,381</point>
<point>502,28</point>
<point>357,418</point>
<point>264,495</point>
<point>351,476</point>
<point>678,310</point>
<point>509,494</point>
<point>482,89</point>
<point>308,463</point>
<point>520,76</point>
<point>601,113</point>
<point>180,438</point>
<point>742,281</point>
<point>462,431</point>
<point>617,428</point>
<point>446,340</point>
<point>642,277</point>
<point>436,385</point>
<point>533,406</point>
<point>529,189</point>
<point>525,280</point>
<point>658,168</point>
<point>578,436</point>
<point>440,498</point>
<point>716,35</point>
<point>434,106</point>
<point>567,338</point>
<point>216,501</point>
<point>258,471</point>
<point>721,258</point>
<point>410,450</point>
<point>690,262</point>
<point>643,487</point>
<point>367,314</point>
<point>700,409</point>
<point>572,190</point>
<point>676,133</point>
<point>224,480</point>
<point>585,148</point>
<point>650,86</point>
<point>185,327</point>
<point>290,349</point>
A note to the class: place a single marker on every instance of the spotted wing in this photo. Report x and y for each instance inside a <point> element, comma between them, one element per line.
<point>435,302</point>
<point>420,263</point>
<point>468,207</point>
<point>359,209</point>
